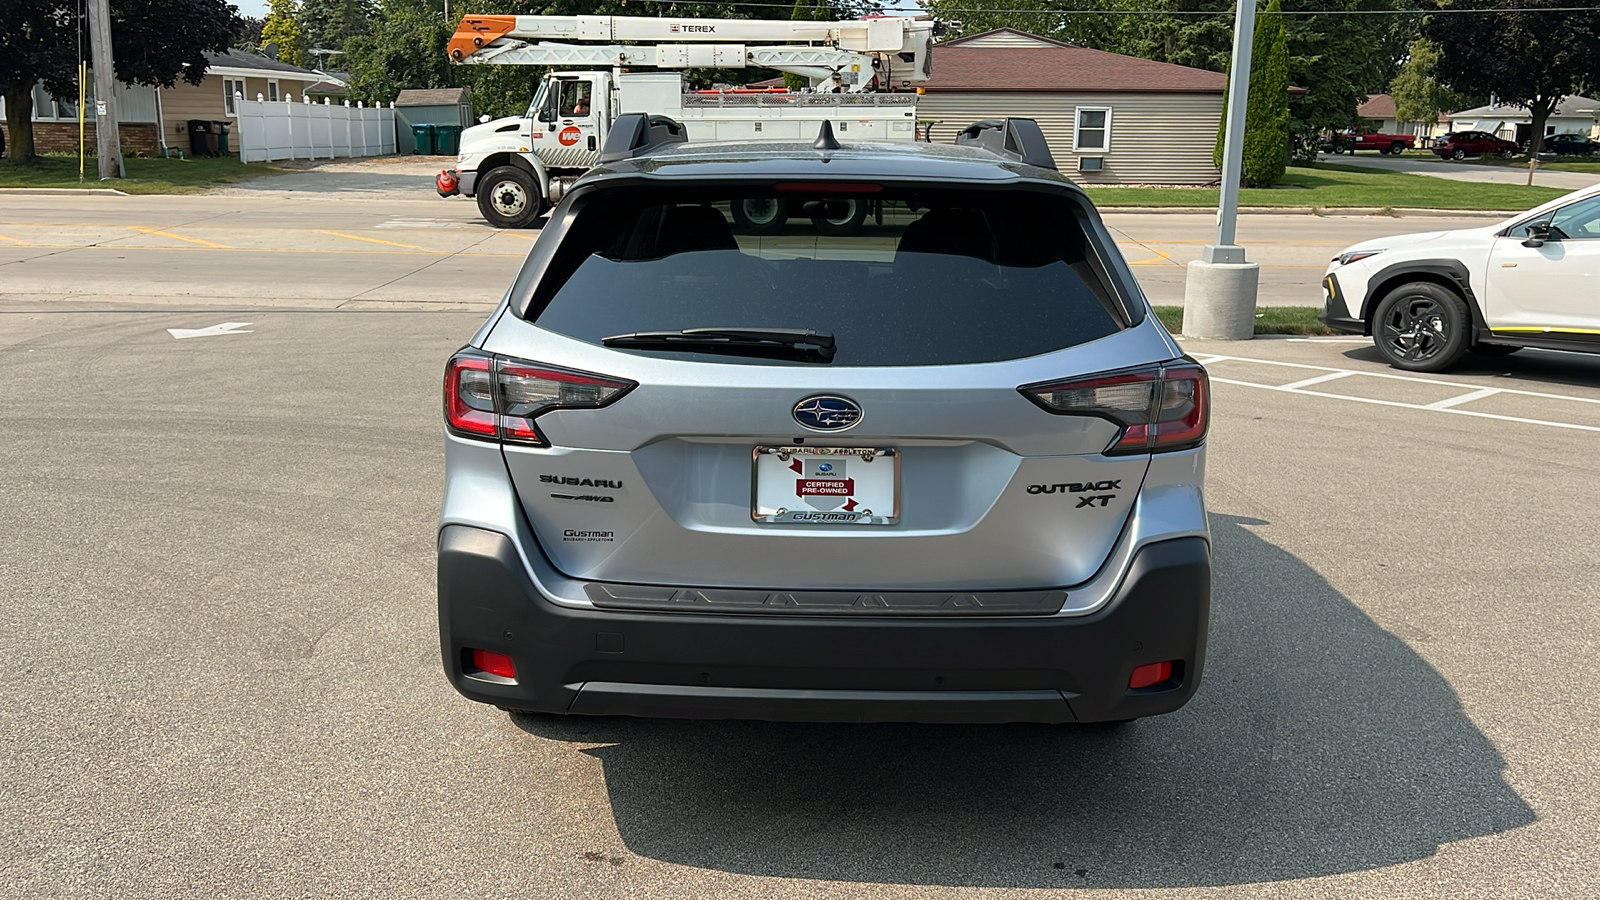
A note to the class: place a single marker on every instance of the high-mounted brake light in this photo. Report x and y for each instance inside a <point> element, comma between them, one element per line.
<point>1160,408</point>
<point>496,397</point>
<point>814,187</point>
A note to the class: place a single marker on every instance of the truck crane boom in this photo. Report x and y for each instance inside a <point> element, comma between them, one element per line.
<point>892,48</point>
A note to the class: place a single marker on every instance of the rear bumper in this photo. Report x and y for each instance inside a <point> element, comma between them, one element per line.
<point>612,662</point>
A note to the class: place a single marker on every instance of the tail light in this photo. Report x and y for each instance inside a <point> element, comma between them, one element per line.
<point>1160,408</point>
<point>498,398</point>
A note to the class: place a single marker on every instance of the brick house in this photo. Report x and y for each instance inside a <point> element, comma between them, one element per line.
<point>152,118</point>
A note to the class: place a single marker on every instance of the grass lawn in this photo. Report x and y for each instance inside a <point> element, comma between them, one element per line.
<point>1269,319</point>
<point>1334,187</point>
<point>145,176</point>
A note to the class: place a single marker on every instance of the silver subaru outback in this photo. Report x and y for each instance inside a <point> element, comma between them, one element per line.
<point>824,432</point>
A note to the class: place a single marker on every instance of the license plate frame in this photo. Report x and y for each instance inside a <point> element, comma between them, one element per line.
<point>862,503</point>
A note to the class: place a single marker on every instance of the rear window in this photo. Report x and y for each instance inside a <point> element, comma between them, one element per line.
<point>897,277</point>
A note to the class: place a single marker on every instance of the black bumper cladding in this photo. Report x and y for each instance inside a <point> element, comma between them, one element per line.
<point>1334,315</point>
<point>823,669</point>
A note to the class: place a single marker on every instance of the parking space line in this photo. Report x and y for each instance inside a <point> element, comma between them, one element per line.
<point>1397,403</point>
<point>357,237</point>
<point>1315,379</point>
<point>178,237</point>
<point>1464,398</point>
<point>1414,378</point>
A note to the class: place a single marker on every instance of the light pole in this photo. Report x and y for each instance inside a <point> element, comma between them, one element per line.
<point>1219,298</point>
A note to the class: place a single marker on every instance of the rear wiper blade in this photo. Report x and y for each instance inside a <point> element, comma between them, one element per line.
<point>785,343</point>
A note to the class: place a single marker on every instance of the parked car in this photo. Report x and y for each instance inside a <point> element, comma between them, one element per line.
<point>1568,145</point>
<point>1352,140</point>
<point>1462,144</point>
<point>953,474</point>
<point>1427,299</point>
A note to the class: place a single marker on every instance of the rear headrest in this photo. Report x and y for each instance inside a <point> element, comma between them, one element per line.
<point>953,232</point>
<point>687,229</point>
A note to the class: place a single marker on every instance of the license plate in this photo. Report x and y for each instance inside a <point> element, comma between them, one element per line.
<point>826,485</point>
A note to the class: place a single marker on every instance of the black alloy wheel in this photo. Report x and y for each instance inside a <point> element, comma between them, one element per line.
<point>1421,327</point>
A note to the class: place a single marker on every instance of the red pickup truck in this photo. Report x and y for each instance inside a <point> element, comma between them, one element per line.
<point>1352,140</point>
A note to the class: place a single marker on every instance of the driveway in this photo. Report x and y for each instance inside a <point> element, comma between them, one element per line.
<point>1467,171</point>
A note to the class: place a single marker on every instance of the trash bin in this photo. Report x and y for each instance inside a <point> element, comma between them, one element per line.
<point>223,130</point>
<point>447,141</point>
<point>422,138</point>
<point>202,138</point>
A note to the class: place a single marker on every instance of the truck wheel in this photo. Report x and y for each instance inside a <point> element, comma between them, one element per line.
<point>759,215</point>
<point>509,198</point>
<point>1396,148</point>
<point>850,223</point>
<point>1338,149</point>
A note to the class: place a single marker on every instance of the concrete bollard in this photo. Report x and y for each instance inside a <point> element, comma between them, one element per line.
<point>1219,300</point>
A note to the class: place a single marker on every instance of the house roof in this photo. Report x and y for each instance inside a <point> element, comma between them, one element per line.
<point>1570,105</point>
<point>238,59</point>
<point>431,97</point>
<point>1378,106</point>
<point>326,87</point>
<point>1006,59</point>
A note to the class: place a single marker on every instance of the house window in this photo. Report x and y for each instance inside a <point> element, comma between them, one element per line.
<point>1093,134</point>
<point>230,87</point>
<point>272,89</point>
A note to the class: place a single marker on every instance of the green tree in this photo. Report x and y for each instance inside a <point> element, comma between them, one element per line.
<point>1266,129</point>
<point>281,29</point>
<point>152,41</point>
<point>1526,56</point>
<point>1418,96</point>
<point>328,24</point>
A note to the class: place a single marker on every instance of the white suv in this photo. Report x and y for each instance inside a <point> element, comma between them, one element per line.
<point>1530,281</point>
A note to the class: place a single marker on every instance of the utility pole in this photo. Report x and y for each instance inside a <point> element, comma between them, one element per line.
<point>107,139</point>
<point>1219,292</point>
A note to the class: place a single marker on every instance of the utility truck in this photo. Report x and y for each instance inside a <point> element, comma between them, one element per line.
<point>519,166</point>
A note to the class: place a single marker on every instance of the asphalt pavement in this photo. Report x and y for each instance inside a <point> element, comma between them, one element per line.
<point>361,242</point>
<point>220,648</point>
<point>1467,170</point>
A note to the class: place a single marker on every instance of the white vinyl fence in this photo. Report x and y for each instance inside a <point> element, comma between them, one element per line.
<point>284,129</point>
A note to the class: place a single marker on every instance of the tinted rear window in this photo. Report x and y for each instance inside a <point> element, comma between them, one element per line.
<point>898,277</point>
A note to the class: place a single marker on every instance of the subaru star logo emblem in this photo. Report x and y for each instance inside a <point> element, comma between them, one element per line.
<point>827,413</point>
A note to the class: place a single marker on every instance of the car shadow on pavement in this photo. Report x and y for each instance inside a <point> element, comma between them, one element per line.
<point>1545,366</point>
<point>1319,743</point>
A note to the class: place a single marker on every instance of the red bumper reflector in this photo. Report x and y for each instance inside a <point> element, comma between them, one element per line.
<point>494,663</point>
<point>1154,673</point>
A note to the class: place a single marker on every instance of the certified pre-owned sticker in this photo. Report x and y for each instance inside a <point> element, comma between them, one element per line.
<point>572,534</point>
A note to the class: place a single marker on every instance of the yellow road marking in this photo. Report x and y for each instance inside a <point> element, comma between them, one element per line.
<point>179,237</point>
<point>1160,256</point>
<point>14,240</point>
<point>357,237</point>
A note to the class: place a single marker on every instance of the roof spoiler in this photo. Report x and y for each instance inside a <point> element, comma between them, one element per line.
<point>1019,139</point>
<point>636,134</point>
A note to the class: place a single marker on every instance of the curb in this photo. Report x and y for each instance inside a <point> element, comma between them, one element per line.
<point>68,191</point>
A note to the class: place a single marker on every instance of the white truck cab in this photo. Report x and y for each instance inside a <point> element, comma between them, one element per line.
<point>519,166</point>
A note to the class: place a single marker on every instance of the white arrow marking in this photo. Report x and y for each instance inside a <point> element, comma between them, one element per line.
<point>224,328</point>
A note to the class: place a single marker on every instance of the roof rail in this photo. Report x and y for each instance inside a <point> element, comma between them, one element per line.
<point>636,134</point>
<point>1019,139</point>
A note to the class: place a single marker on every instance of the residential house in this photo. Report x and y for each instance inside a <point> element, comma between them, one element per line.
<point>1109,118</point>
<point>1379,113</point>
<point>154,119</point>
<point>1573,115</point>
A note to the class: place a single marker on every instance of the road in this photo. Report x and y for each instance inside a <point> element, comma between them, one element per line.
<point>220,656</point>
<point>364,240</point>
<point>1467,171</point>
